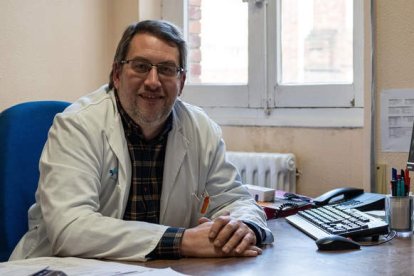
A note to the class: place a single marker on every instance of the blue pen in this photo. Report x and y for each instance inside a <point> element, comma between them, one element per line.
<point>394,173</point>
<point>400,191</point>
<point>403,193</point>
<point>393,187</point>
<point>398,187</point>
<point>394,182</point>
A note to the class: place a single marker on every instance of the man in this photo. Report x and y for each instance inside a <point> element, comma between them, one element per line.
<point>130,172</point>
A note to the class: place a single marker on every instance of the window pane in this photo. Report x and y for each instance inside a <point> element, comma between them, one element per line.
<point>217,32</point>
<point>317,42</point>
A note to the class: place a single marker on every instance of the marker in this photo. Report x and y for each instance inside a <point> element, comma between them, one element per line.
<point>206,202</point>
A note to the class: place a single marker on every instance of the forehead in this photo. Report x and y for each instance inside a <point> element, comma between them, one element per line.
<point>152,48</point>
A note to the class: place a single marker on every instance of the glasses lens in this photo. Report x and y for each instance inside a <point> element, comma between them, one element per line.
<point>167,70</point>
<point>143,67</point>
<point>140,66</point>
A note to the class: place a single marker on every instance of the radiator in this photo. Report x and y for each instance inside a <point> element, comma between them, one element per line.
<point>272,170</point>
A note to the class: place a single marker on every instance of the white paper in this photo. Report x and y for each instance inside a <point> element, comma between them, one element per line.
<point>397,117</point>
<point>79,267</point>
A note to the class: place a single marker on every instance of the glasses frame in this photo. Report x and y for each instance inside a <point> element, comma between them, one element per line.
<point>178,69</point>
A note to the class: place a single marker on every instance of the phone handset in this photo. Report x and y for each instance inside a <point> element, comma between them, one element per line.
<point>344,193</point>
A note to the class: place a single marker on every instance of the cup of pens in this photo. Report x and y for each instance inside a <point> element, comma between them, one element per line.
<point>399,205</point>
<point>399,214</point>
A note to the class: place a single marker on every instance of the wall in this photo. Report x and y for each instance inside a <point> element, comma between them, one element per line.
<point>58,49</point>
<point>62,49</point>
<point>395,62</point>
<point>326,158</point>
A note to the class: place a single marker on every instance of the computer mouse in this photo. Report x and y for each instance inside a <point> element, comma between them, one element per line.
<point>336,242</point>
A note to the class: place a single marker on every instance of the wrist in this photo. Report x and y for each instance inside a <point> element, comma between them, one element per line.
<point>185,245</point>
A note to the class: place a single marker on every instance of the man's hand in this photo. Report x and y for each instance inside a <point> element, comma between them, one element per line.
<point>222,237</point>
<point>230,234</point>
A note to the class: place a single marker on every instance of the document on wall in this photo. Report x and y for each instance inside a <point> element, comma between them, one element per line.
<point>397,117</point>
<point>77,266</point>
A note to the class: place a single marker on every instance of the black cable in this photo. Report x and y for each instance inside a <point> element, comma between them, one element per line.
<point>391,235</point>
<point>283,207</point>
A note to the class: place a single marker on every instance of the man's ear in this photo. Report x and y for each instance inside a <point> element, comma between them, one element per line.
<point>182,82</point>
<point>116,71</point>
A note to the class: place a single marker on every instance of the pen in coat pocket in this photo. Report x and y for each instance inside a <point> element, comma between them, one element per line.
<point>206,202</point>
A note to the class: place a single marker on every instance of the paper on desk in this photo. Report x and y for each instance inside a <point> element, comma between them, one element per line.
<point>78,267</point>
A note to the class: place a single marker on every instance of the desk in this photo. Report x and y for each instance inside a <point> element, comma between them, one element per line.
<point>294,253</point>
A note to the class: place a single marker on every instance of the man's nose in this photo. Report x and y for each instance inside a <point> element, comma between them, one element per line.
<point>152,79</point>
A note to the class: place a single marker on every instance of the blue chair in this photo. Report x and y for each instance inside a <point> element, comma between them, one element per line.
<point>23,133</point>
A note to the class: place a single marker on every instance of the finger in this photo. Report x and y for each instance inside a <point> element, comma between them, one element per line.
<point>247,241</point>
<point>252,251</point>
<point>241,239</point>
<point>232,232</point>
<point>228,227</point>
<point>218,224</point>
<point>203,220</point>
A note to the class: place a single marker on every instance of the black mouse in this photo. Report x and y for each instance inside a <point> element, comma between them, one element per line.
<point>336,242</point>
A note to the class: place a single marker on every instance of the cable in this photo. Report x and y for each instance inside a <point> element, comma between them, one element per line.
<point>283,207</point>
<point>391,235</point>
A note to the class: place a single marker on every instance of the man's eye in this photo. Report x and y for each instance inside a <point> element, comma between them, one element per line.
<point>168,70</point>
<point>141,66</point>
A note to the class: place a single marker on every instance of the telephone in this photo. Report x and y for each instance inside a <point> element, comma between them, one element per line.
<point>350,197</point>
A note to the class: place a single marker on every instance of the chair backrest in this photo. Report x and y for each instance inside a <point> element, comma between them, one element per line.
<point>23,133</point>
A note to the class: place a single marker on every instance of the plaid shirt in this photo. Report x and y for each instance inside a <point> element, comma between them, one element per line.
<point>147,160</point>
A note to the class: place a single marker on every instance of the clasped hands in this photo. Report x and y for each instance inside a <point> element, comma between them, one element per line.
<point>222,237</point>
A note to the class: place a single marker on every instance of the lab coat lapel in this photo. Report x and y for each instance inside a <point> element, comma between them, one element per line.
<point>177,148</point>
<point>116,140</point>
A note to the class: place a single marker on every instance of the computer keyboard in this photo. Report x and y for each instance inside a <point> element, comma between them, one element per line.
<point>336,220</point>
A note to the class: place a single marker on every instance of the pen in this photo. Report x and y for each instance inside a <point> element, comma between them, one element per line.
<point>394,183</point>
<point>204,207</point>
<point>407,179</point>
<point>398,187</point>
<point>394,173</point>
<point>393,187</point>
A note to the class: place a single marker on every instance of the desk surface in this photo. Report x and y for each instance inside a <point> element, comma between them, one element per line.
<point>294,253</point>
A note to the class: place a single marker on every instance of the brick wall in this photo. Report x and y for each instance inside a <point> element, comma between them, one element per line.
<point>194,40</point>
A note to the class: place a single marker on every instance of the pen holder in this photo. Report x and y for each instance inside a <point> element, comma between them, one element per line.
<point>399,214</point>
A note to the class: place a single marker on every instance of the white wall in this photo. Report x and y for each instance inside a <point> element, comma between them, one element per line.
<point>58,49</point>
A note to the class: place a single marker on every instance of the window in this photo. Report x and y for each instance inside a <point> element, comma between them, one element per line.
<point>274,62</point>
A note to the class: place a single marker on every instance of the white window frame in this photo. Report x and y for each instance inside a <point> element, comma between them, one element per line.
<point>263,102</point>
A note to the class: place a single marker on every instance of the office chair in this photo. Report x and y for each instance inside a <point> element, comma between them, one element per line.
<point>23,132</point>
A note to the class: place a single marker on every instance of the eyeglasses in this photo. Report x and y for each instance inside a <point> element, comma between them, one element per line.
<point>163,69</point>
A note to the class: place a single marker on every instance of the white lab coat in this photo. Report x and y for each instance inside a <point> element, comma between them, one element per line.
<point>85,176</point>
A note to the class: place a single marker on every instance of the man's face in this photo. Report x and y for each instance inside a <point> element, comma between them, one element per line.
<point>148,98</point>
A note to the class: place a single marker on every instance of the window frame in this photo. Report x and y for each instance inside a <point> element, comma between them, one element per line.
<point>275,104</point>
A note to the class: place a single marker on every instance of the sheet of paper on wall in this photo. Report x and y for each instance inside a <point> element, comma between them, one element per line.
<point>397,117</point>
<point>79,267</point>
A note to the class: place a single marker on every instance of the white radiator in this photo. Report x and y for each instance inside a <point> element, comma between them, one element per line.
<point>272,170</point>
